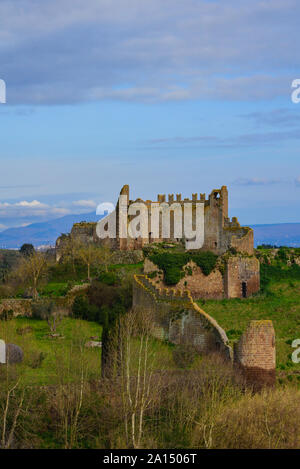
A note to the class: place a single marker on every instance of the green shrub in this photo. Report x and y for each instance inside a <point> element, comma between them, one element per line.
<point>172,275</point>
<point>82,309</point>
<point>109,278</point>
<point>27,250</point>
<point>172,263</point>
<point>206,260</point>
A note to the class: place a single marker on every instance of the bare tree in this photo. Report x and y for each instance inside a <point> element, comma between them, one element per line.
<point>105,257</point>
<point>136,365</point>
<point>90,255</point>
<point>70,393</point>
<point>31,269</point>
<point>54,320</point>
<point>70,250</point>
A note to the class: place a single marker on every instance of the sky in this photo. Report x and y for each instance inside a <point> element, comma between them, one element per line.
<point>172,96</point>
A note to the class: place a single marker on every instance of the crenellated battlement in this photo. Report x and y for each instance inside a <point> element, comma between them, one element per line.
<point>220,194</point>
<point>162,298</point>
<point>169,219</point>
<point>163,293</point>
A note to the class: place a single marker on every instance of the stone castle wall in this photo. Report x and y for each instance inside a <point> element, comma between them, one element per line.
<point>220,233</point>
<point>241,278</point>
<point>178,319</point>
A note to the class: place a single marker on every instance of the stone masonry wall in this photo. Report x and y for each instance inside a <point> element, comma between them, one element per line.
<point>22,306</point>
<point>242,276</point>
<point>220,233</point>
<point>239,269</point>
<point>177,318</point>
<point>255,353</point>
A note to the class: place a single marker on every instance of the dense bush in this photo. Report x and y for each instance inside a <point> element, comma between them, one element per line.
<point>109,278</point>
<point>206,260</point>
<point>172,263</point>
<point>102,302</point>
<point>27,249</point>
<point>82,309</point>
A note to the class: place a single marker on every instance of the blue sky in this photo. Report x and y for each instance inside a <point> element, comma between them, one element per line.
<point>172,96</point>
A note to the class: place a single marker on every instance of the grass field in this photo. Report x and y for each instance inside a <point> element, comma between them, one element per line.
<point>61,355</point>
<point>281,304</point>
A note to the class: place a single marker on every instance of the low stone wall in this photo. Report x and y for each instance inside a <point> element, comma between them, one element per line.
<point>177,318</point>
<point>22,306</point>
<point>19,306</point>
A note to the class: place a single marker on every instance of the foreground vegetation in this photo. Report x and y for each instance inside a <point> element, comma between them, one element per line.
<point>146,393</point>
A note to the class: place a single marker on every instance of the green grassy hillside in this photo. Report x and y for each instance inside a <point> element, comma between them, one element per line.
<point>281,304</point>
<point>61,355</point>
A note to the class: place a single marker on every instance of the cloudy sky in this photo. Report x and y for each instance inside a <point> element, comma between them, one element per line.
<point>167,96</point>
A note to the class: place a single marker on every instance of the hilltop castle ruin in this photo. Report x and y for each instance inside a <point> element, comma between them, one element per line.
<point>135,224</point>
<point>219,232</point>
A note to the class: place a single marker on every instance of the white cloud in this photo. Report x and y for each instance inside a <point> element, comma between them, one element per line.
<point>33,204</point>
<point>85,203</point>
<point>32,209</point>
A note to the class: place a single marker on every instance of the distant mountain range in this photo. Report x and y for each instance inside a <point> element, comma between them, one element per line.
<point>280,234</point>
<point>43,234</point>
<point>46,233</point>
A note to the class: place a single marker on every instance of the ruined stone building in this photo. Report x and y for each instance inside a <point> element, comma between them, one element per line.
<point>220,235</point>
